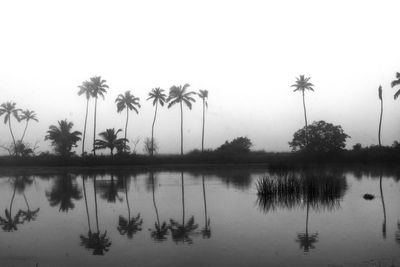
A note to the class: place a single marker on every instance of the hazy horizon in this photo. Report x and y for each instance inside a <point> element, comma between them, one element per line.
<point>246,54</point>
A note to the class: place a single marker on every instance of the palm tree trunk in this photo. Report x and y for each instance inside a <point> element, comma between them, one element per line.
<point>308,210</point>
<point>26,127</point>
<point>181,129</point>
<point>305,117</point>
<point>154,199</point>
<point>12,198</point>
<point>152,130</point>
<point>84,129</point>
<point>202,133</point>
<point>95,204</point>
<point>26,201</point>
<point>126,126</point>
<point>127,201</point>
<point>205,203</point>
<point>380,124</point>
<point>183,201</point>
<point>12,135</point>
<point>383,207</point>
<point>86,204</point>
<point>94,130</point>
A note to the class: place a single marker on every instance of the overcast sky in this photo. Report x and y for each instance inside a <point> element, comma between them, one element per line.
<point>245,53</point>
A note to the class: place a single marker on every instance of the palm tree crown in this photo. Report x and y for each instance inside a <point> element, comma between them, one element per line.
<point>395,83</point>
<point>110,140</point>
<point>203,94</point>
<point>128,101</point>
<point>303,84</point>
<point>28,115</point>
<point>62,138</point>
<point>179,94</point>
<point>9,108</point>
<point>98,86</point>
<point>86,89</point>
<point>157,94</point>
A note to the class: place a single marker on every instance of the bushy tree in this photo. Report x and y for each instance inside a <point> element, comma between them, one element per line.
<point>237,145</point>
<point>321,137</point>
<point>61,137</point>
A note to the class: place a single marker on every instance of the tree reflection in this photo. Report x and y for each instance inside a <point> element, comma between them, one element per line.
<point>383,208</point>
<point>9,223</point>
<point>29,215</point>
<point>21,183</point>
<point>206,231</point>
<point>63,192</point>
<point>87,240</point>
<point>160,231</point>
<point>397,234</point>
<point>109,190</point>
<point>131,225</point>
<point>182,232</point>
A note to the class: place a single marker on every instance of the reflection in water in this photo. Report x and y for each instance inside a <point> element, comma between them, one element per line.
<point>160,231</point>
<point>64,190</point>
<point>9,223</point>
<point>397,235</point>
<point>131,225</point>
<point>384,209</point>
<point>206,231</point>
<point>182,232</point>
<point>109,190</point>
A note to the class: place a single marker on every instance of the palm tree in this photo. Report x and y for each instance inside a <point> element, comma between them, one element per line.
<point>128,102</point>
<point>86,90</point>
<point>27,115</point>
<point>383,207</point>
<point>87,241</point>
<point>203,94</point>
<point>160,230</point>
<point>206,231</point>
<point>10,223</point>
<point>62,138</point>
<point>9,108</point>
<point>306,239</point>
<point>182,232</point>
<point>98,88</point>
<point>380,118</point>
<point>302,84</point>
<point>110,140</point>
<point>395,83</point>
<point>132,225</point>
<point>158,96</point>
<point>179,94</point>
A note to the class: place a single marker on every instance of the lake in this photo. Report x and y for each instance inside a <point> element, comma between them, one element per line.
<point>201,217</point>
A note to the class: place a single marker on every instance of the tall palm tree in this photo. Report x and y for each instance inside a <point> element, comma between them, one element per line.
<point>8,109</point>
<point>395,83</point>
<point>61,137</point>
<point>9,223</point>
<point>160,230</point>
<point>158,97</point>
<point>87,241</point>
<point>203,94</point>
<point>27,115</point>
<point>302,84</point>
<point>129,102</point>
<point>383,207</point>
<point>380,118</point>
<point>99,88</point>
<point>86,90</point>
<point>110,140</point>
<point>177,95</point>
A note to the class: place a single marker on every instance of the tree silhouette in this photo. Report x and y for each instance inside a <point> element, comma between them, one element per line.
<point>21,183</point>
<point>160,229</point>
<point>86,90</point>
<point>206,231</point>
<point>302,84</point>
<point>380,118</point>
<point>182,232</point>
<point>9,109</point>
<point>63,192</point>
<point>128,102</point>
<point>109,190</point>
<point>27,115</point>
<point>9,223</point>
<point>306,239</point>
<point>177,95</point>
<point>131,225</point>
<point>395,83</point>
<point>158,97</point>
<point>99,88</point>
<point>110,140</point>
<point>61,137</point>
<point>383,208</point>
<point>203,94</point>
<point>88,240</point>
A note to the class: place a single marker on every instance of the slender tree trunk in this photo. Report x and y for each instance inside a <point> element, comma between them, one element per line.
<point>183,201</point>
<point>26,127</point>
<point>384,208</point>
<point>380,124</point>
<point>126,127</point>
<point>127,201</point>
<point>94,130</point>
<point>12,135</point>
<point>12,198</point>
<point>305,117</point>
<point>152,130</point>
<point>86,204</point>
<point>308,210</point>
<point>84,129</point>
<point>181,129</point>
<point>154,199</point>
<point>95,204</point>
<point>205,204</point>
<point>202,133</point>
<point>26,201</point>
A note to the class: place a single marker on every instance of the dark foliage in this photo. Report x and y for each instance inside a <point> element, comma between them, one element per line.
<point>236,146</point>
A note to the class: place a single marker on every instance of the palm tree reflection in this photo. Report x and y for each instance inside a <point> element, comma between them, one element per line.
<point>109,190</point>
<point>206,231</point>
<point>306,239</point>
<point>62,193</point>
<point>397,234</point>
<point>9,223</point>
<point>131,225</point>
<point>29,215</point>
<point>384,209</point>
<point>182,232</point>
<point>160,231</point>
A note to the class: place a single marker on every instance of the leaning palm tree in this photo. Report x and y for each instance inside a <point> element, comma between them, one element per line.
<point>27,115</point>
<point>86,90</point>
<point>110,140</point>
<point>98,88</point>
<point>158,97</point>
<point>203,94</point>
<point>302,84</point>
<point>179,94</point>
<point>129,102</point>
<point>8,109</point>
<point>380,118</point>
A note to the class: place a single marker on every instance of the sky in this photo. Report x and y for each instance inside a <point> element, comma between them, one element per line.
<point>245,53</point>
